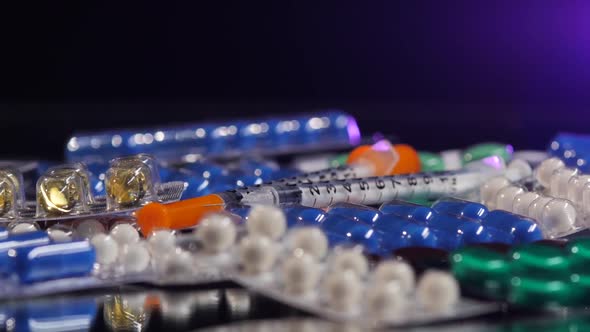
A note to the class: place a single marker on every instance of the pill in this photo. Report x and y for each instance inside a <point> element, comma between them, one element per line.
<point>343,290</point>
<point>217,232</point>
<point>437,291</point>
<point>135,257</point>
<point>23,227</point>
<point>162,242</point>
<point>257,254</point>
<point>124,234</point>
<point>545,171</point>
<point>349,259</point>
<point>311,240</point>
<point>397,271</point>
<point>86,229</point>
<point>107,249</point>
<point>266,220</point>
<point>385,300</point>
<point>301,273</point>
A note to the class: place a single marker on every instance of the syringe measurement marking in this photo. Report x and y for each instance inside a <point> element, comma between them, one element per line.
<point>331,190</point>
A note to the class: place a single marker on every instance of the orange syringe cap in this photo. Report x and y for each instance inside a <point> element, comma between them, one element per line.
<point>387,159</point>
<point>409,161</point>
<point>177,215</point>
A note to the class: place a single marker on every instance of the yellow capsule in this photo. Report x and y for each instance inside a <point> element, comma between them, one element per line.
<point>6,197</point>
<point>58,196</point>
<point>125,313</point>
<point>128,186</point>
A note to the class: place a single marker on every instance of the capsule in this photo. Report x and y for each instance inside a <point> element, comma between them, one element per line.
<point>15,242</point>
<point>524,230</point>
<point>131,182</point>
<point>461,208</point>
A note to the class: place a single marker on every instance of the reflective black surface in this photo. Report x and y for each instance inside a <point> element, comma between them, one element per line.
<point>225,308</point>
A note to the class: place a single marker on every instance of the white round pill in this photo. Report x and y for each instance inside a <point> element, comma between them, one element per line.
<point>506,195</point>
<point>437,291</point>
<point>135,258</point>
<point>517,170</point>
<point>489,190</point>
<point>385,300</point>
<point>559,181</point>
<point>559,217</point>
<point>162,242</point>
<point>178,262</point>
<point>537,207</point>
<point>59,235</point>
<point>342,290</point>
<point>301,274</point>
<point>397,271</point>
<point>545,170</point>
<point>310,240</point>
<point>23,227</point>
<point>575,188</point>
<point>107,249</point>
<point>257,254</point>
<point>86,229</point>
<point>523,201</point>
<point>124,234</point>
<point>349,259</point>
<point>266,220</point>
<point>217,232</point>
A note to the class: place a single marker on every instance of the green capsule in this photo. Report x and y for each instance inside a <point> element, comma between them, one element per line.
<point>579,256</point>
<point>540,261</point>
<point>431,162</point>
<point>529,291</point>
<point>483,150</point>
<point>482,271</point>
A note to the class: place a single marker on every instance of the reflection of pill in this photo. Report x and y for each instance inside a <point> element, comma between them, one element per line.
<point>124,234</point>
<point>350,259</point>
<point>309,239</point>
<point>505,198</point>
<point>162,242</point>
<point>437,291</point>
<point>257,254</point>
<point>216,232</point>
<point>301,273</point>
<point>107,249</point>
<point>545,170</point>
<point>343,290</point>
<point>135,258</point>
<point>398,271</point>
<point>266,220</point>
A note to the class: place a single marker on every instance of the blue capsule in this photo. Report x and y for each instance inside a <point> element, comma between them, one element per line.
<point>3,233</point>
<point>304,216</point>
<point>407,210</point>
<point>16,242</point>
<point>468,231</point>
<point>356,232</point>
<point>357,212</point>
<point>461,208</point>
<point>399,233</point>
<point>523,229</point>
<point>54,261</point>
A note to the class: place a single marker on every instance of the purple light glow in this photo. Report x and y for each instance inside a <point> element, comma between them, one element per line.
<point>354,134</point>
<point>382,145</point>
<point>494,162</point>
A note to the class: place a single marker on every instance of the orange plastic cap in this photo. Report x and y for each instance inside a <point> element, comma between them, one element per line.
<point>409,161</point>
<point>178,215</point>
<point>380,156</point>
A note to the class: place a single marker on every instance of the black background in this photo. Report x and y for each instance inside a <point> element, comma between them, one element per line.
<point>439,74</point>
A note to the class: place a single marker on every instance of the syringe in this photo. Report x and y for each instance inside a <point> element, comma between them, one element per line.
<point>368,191</point>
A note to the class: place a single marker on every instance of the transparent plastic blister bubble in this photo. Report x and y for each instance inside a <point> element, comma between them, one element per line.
<point>12,195</point>
<point>131,181</point>
<point>341,284</point>
<point>556,216</point>
<point>63,193</point>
